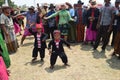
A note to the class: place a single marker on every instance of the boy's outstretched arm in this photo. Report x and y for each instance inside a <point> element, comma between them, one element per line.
<point>67,44</point>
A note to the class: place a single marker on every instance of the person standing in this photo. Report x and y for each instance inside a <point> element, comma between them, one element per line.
<point>92,19</point>
<point>39,17</point>
<point>104,25</point>
<point>80,16</point>
<point>4,50</point>
<point>52,21</point>
<point>31,21</point>
<point>6,23</point>
<point>117,37</point>
<point>114,29</point>
<point>72,30</point>
<point>44,11</point>
<point>64,18</point>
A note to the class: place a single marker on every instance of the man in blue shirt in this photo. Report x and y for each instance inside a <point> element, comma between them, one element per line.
<point>51,21</point>
<point>105,24</point>
<point>30,22</point>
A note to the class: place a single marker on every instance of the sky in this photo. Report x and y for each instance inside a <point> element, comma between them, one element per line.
<point>33,2</point>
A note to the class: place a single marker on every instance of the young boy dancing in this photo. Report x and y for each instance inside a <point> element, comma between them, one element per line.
<point>39,43</point>
<point>57,49</point>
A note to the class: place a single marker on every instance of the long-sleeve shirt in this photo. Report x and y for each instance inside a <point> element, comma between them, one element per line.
<point>42,39</point>
<point>106,14</point>
<point>31,18</point>
<point>64,16</point>
<point>51,21</point>
<point>56,48</point>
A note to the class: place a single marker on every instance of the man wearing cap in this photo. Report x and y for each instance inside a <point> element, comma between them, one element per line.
<point>51,22</point>
<point>104,25</point>
<point>80,14</point>
<point>44,9</point>
<point>8,28</point>
<point>31,21</point>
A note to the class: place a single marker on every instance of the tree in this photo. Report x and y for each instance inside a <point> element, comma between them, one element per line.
<point>2,2</point>
<point>11,4</point>
<point>23,7</point>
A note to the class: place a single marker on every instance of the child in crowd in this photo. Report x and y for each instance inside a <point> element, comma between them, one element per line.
<point>39,43</point>
<point>57,49</point>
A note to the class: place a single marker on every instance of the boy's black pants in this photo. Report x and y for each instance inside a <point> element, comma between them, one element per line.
<point>41,51</point>
<point>54,56</point>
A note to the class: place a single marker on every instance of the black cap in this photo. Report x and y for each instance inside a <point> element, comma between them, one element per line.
<point>51,6</point>
<point>80,2</point>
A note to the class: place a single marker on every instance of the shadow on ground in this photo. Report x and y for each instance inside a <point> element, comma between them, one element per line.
<point>35,63</point>
<point>114,62</point>
<point>86,47</point>
<point>56,68</point>
<point>97,54</point>
<point>27,44</point>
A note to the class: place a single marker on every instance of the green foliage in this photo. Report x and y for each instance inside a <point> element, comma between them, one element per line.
<point>2,2</point>
<point>23,7</point>
<point>11,4</point>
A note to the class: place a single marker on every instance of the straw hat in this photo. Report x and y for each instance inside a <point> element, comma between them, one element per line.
<point>4,6</point>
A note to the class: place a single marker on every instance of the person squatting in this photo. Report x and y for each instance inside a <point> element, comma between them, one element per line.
<point>57,49</point>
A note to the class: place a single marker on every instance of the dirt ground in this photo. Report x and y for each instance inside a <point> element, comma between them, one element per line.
<point>85,64</point>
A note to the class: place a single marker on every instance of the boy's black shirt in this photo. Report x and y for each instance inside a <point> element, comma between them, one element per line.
<point>60,49</point>
<point>42,38</point>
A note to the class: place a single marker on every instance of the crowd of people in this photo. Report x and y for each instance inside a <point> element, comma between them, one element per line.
<point>64,23</point>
